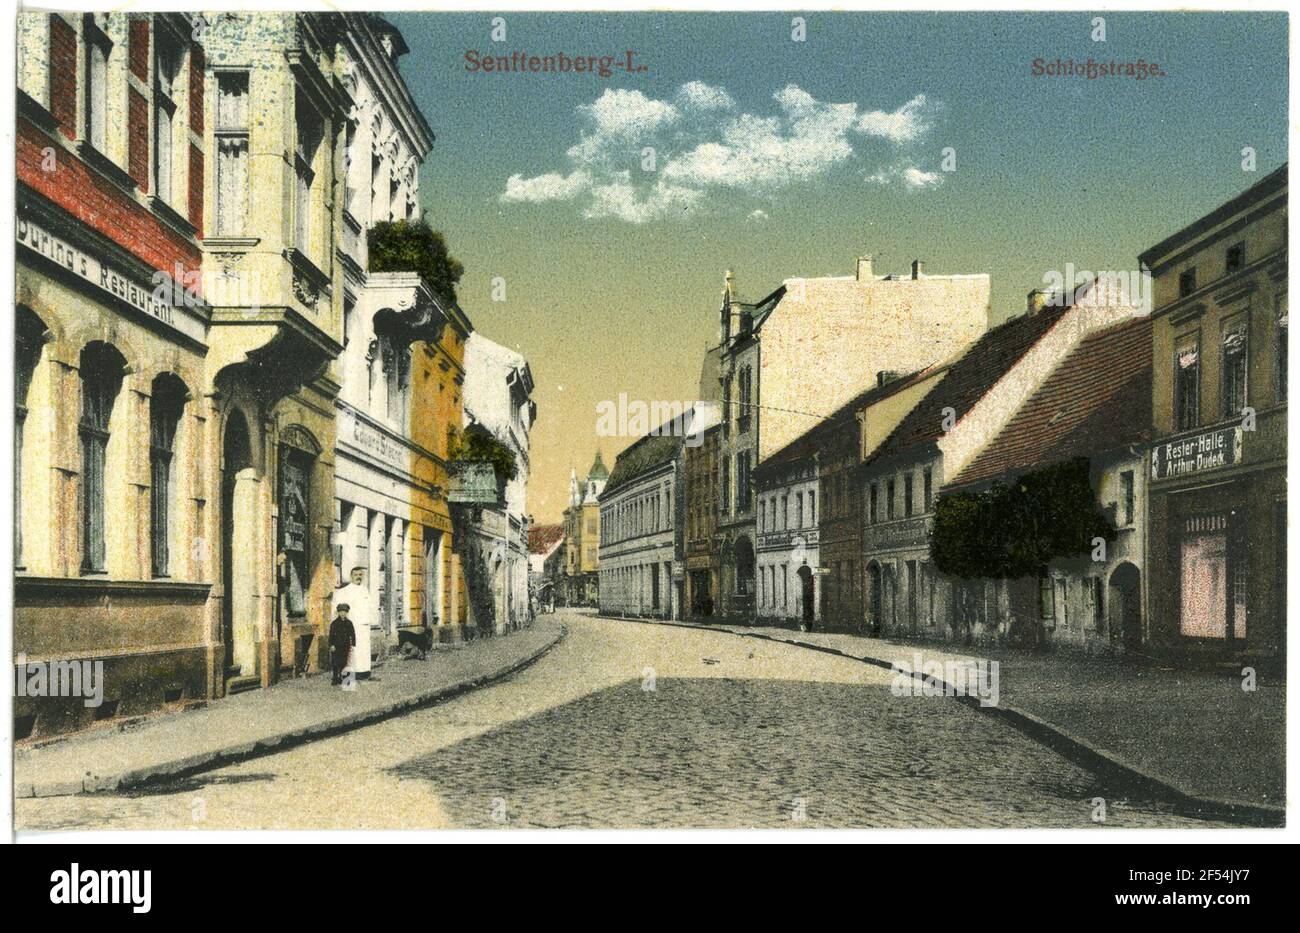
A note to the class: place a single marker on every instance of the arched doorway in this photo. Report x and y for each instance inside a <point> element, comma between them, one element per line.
<point>1125,609</point>
<point>238,557</point>
<point>875,602</point>
<point>806,594</point>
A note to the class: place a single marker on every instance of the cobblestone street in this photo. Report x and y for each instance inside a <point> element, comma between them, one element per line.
<point>634,725</point>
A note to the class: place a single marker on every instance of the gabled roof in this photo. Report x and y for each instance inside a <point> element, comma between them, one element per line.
<point>813,440</point>
<point>542,539</point>
<point>1097,399</point>
<point>969,379</point>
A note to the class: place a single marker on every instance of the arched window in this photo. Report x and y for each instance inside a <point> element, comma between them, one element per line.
<point>165,408</point>
<point>31,334</point>
<point>102,368</point>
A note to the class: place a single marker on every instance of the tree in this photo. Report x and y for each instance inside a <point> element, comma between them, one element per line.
<point>477,445</point>
<point>403,246</point>
<point>1017,529</point>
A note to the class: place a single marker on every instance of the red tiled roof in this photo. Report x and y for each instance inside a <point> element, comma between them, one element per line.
<point>541,538</point>
<point>811,441</point>
<point>969,378</point>
<point>1097,399</point>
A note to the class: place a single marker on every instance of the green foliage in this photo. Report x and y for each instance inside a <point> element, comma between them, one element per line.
<point>1015,530</point>
<point>401,246</point>
<point>476,445</point>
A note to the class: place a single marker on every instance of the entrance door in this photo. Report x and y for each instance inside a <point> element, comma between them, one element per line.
<point>1126,608</point>
<point>806,583</point>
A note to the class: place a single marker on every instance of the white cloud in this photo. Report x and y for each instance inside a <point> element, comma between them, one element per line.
<point>903,125</point>
<point>549,187</point>
<point>702,143</point>
<point>757,215</point>
<point>909,176</point>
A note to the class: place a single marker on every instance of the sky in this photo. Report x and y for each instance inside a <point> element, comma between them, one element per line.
<point>777,158</point>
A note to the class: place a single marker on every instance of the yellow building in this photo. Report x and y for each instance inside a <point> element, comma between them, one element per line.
<point>582,536</point>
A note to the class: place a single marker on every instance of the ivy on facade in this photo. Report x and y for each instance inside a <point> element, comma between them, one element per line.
<point>1012,530</point>
<point>405,246</point>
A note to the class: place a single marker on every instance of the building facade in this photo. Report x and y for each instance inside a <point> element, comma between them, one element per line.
<point>402,364</point>
<point>582,536</point>
<point>789,586</point>
<point>639,525</point>
<point>700,524</point>
<point>498,400</point>
<point>976,395</point>
<point>1096,405</point>
<point>177,349</point>
<point>1217,491</point>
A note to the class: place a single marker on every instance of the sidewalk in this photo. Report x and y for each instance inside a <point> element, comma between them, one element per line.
<point>1194,734</point>
<point>262,721</point>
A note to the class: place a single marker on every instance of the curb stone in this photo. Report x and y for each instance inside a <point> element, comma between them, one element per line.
<point>242,751</point>
<point>1104,763</point>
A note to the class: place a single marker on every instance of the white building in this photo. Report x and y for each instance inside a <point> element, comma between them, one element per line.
<point>788,557</point>
<point>641,567</point>
<point>498,399</point>
<point>391,516</point>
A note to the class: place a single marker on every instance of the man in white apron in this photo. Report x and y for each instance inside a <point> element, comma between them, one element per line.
<point>357,596</point>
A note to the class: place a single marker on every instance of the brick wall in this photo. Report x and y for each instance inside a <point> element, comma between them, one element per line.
<point>196,189</point>
<point>137,140</point>
<point>63,75</point>
<point>102,205</point>
<point>138,52</point>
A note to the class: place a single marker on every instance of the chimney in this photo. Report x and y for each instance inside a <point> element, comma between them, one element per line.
<point>917,266</point>
<point>864,269</point>
<point>1035,301</point>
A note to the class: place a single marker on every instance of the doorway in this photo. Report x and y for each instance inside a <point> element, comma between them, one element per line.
<point>806,593</point>
<point>1125,614</point>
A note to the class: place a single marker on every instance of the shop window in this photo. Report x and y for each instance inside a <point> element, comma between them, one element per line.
<point>295,476</point>
<point>231,139</point>
<point>1233,366</point>
<point>102,368</point>
<point>1203,561</point>
<point>166,404</point>
<point>1187,383</point>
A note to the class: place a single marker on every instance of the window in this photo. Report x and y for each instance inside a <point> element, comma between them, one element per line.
<point>1236,259</point>
<point>167,61</point>
<point>1233,366</point>
<point>746,387</point>
<point>785,512</point>
<point>911,593</point>
<point>1098,605</point>
<point>1204,571</point>
<point>724,482</point>
<point>907,494</point>
<point>101,378</point>
<point>1061,604</point>
<point>30,340</point>
<point>231,136</point>
<point>798,509</point>
<point>98,49</point>
<point>1126,481</point>
<point>1186,282</point>
<point>762,515</point>
<point>812,507</point>
<point>1281,338</point>
<point>165,407</point>
<point>310,133</point>
<point>928,482</point>
<point>1187,383</point>
<point>889,498</point>
<point>742,482</point>
<point>873,503</point>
